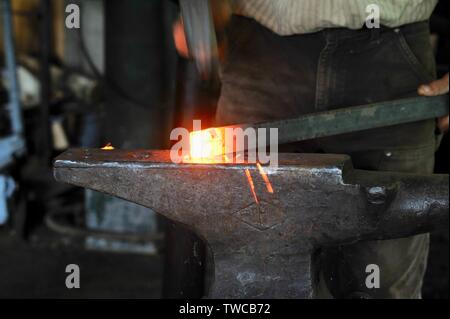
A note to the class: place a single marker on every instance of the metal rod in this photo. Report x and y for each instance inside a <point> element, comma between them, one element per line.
<point>14,99</point>
<point>358,118</point>
<point>13,144</point>
<point>200,35</point>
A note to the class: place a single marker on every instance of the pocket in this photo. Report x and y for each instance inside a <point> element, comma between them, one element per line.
<point>408,160</point>
<point>424,73</point>
<point>438,138</point>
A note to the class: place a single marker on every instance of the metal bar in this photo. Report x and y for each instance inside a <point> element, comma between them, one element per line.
<point>358,118</point>
<point>14,99</point>
<point>14,143</point>
<point>7,187</point>
<point>10,146</point>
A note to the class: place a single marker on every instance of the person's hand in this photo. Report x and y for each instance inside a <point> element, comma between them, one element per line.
<point>221,11</point>
<point>179,38</point>
<point>434,88</point>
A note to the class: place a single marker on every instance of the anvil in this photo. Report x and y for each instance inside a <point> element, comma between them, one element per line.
<point>261,244</point>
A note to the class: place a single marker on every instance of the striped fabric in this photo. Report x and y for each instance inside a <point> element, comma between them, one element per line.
<point>287,17</point>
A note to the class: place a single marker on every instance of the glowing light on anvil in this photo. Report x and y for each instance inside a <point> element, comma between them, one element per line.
<point>108,147</point>
<point>265,178</point>
<point>252,185</point>
<point>207,146</point>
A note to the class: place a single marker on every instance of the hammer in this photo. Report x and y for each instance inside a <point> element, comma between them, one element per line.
<point>201,20</point>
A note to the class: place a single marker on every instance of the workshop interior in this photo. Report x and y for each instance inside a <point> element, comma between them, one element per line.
<point>93,204</point>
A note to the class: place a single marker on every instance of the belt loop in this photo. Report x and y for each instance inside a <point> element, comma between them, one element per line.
<point>375,34</point>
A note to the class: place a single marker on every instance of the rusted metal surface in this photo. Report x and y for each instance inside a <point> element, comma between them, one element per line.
<point>265,249</point>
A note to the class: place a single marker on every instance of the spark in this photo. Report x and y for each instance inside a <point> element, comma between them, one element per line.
<point>108,147</point>
<point>252,185</point>
<point>265,178</point>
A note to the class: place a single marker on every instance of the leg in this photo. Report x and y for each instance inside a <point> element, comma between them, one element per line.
<point>406,148</point>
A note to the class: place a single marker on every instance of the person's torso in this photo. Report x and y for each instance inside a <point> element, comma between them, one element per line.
<point>287,17</point>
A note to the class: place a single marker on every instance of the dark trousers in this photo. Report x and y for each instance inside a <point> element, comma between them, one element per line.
<point>267,76</point>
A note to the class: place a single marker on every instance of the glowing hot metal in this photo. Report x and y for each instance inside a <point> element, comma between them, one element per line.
<point>206,146</point>
<point>108,147</point>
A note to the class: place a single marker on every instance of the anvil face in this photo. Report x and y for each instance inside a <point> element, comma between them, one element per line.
<point>198,194</point>
<point>260,242</point>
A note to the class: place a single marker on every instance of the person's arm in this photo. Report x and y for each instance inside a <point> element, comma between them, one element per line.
<point>438,87</point>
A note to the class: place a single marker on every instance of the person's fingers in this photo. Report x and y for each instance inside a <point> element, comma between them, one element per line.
<point>443,124</point>
<point>179,38</point>
<point>434,88</point>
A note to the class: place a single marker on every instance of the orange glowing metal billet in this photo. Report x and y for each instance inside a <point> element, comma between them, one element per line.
<point>265,178</point>
<point>206,146</point>
<point>252,186</point>
<point>108,147</point>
